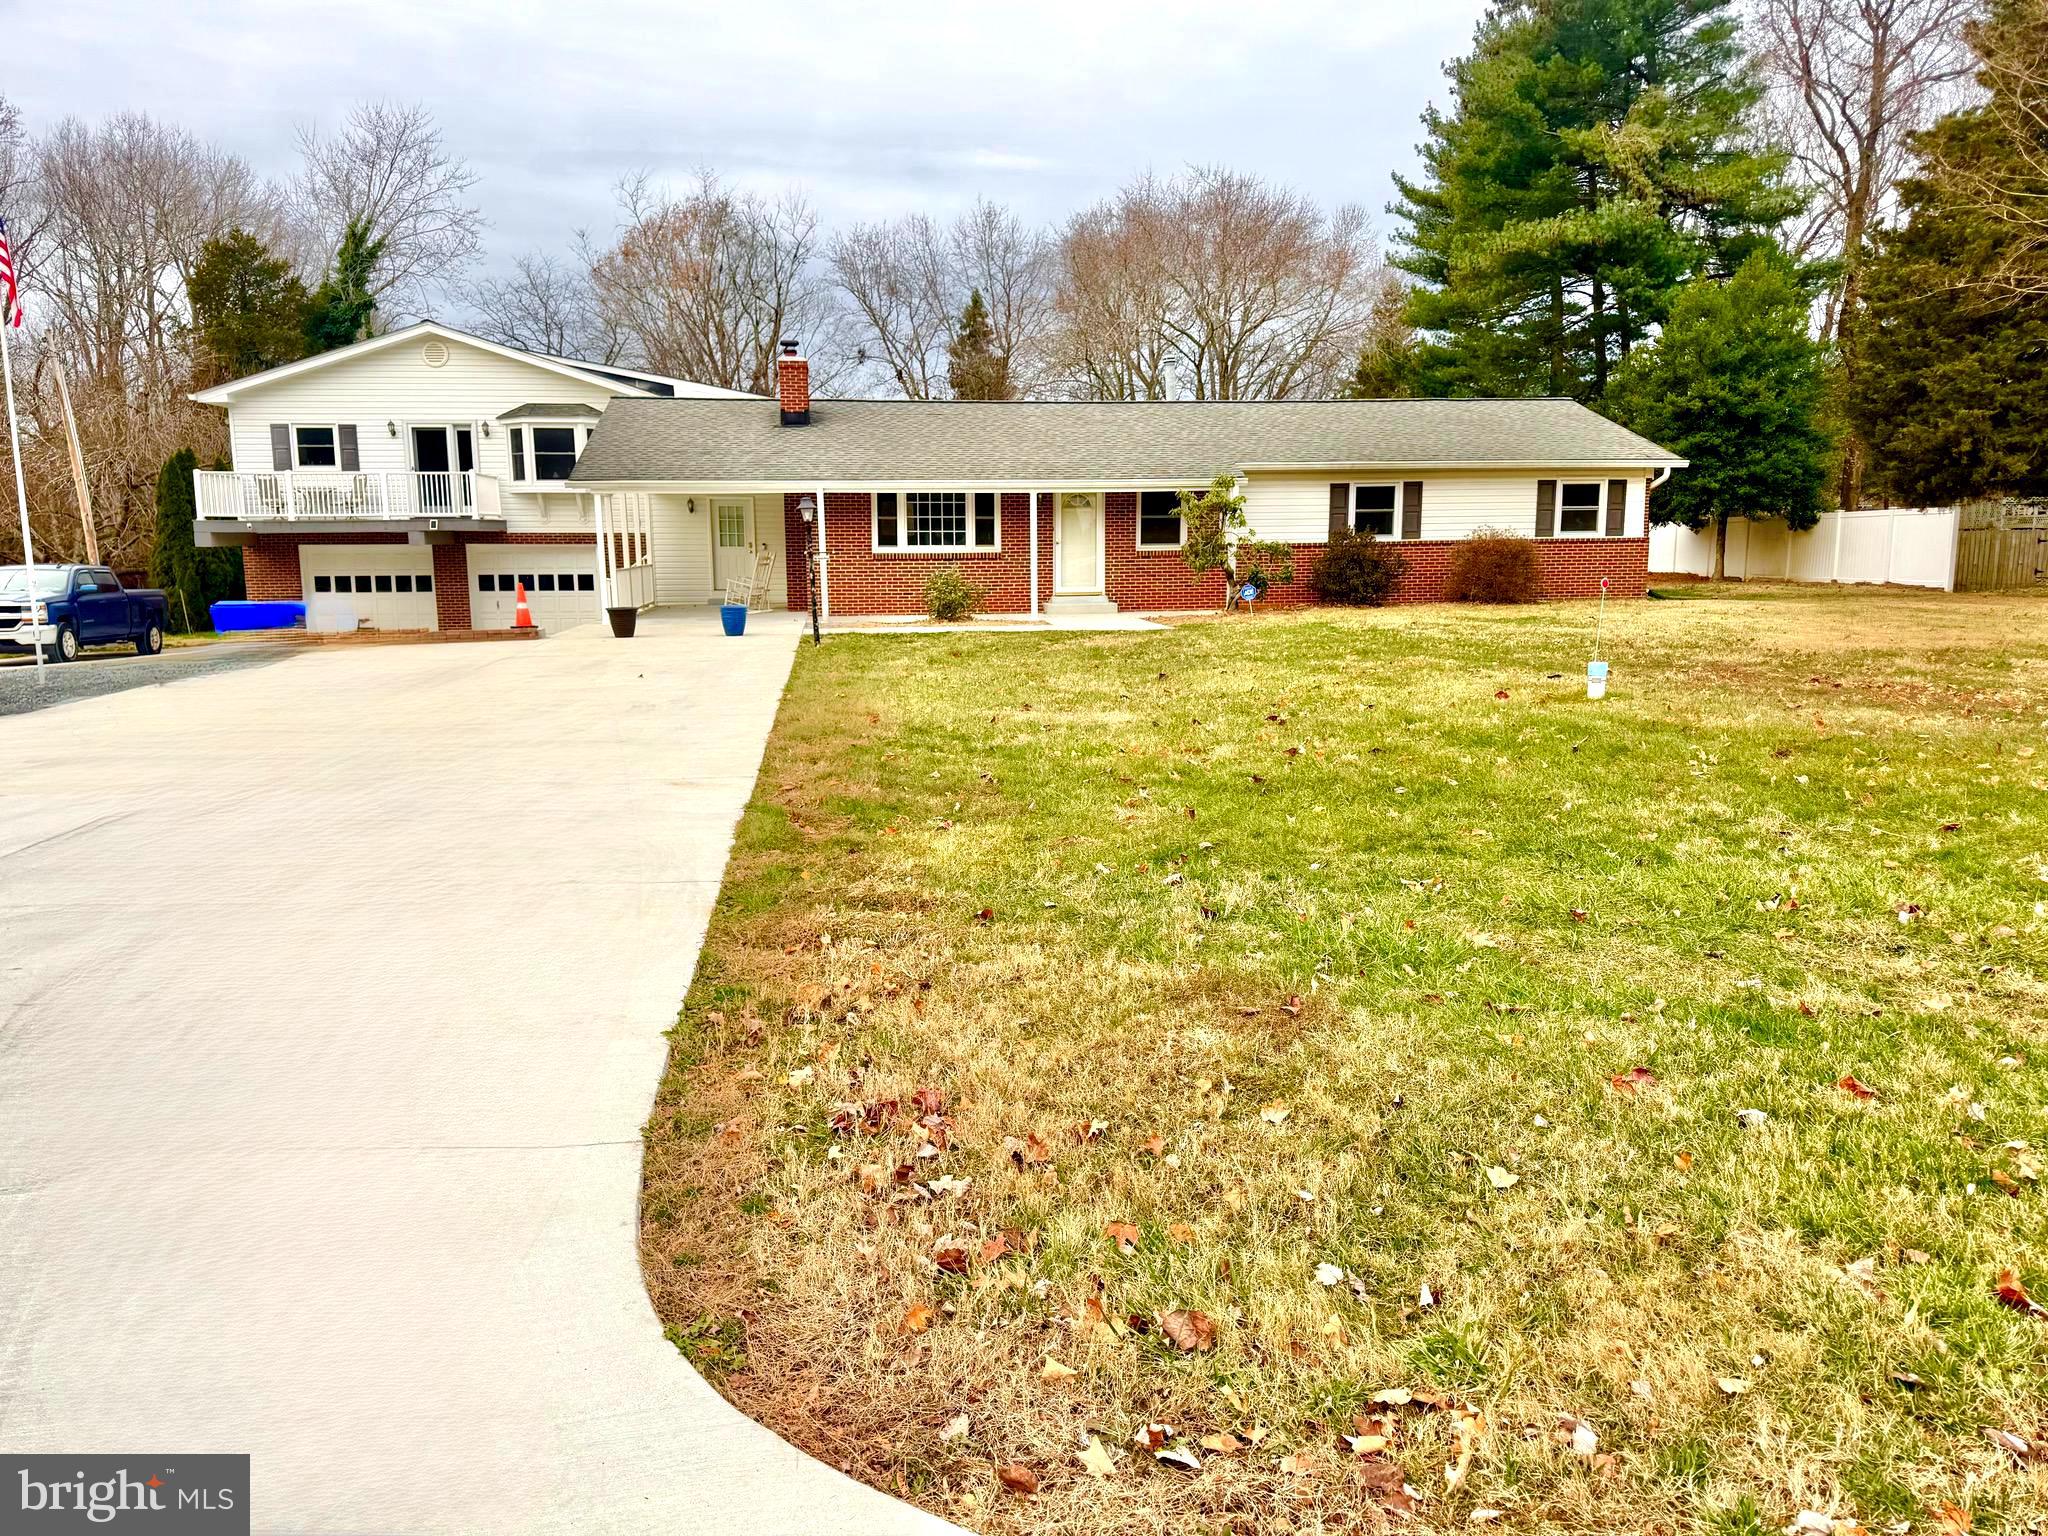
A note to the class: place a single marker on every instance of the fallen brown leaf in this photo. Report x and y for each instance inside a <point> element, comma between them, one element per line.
<point>2012,1294</point>
<point>1191,1332</point>
<point>1632,1079</point>
<point>1018,1478</point>
<point>917,1319</point>
<point>1850,1085</point>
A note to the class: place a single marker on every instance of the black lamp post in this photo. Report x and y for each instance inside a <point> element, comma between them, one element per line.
<point>808,507</point>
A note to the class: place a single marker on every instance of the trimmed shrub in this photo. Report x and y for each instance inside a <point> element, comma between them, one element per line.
<point>949,596</point>
<point>1356,569</point>
<point>1494,567</point>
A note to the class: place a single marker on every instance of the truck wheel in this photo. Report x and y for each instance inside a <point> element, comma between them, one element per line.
<point>151,640</point>
<point>67,643</point>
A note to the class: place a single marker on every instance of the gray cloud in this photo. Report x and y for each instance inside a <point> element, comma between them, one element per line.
<point>874,109</point>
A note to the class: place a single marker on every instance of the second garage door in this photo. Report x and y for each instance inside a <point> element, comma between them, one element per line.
<point>561,584</point>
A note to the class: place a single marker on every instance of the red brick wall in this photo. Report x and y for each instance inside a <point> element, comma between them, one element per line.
<point>862,582</point>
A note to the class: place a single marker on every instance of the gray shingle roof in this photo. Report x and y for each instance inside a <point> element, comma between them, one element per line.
<point>1053,441</point>
<point>545,411</point>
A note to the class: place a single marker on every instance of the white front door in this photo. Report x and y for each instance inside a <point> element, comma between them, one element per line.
<point>561,584</point>
<point>732,540</point>
<point>368,586</point>
<point>1078,560</point>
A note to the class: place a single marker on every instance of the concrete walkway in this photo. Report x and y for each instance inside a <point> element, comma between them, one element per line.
<point>331,1004</point>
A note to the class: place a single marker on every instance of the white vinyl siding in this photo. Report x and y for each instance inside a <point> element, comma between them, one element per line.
<point>1295,506</point>
<point>682,544</point>
<point>395,386</point>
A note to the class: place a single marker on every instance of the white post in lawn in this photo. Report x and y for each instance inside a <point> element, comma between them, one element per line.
<point>1034,554</point>
<point>824,583</point>
<point>28,547</point>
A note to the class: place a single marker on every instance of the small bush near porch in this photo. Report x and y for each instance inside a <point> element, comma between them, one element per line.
<point>1330,1073</point>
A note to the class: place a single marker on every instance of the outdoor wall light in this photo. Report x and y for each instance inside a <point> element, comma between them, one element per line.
<point>690,505</point>
<point>809,508</point>
<point>486,427</point>
<point>391,427</point>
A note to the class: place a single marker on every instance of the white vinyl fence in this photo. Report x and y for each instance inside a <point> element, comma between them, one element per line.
<point>1901,546</point>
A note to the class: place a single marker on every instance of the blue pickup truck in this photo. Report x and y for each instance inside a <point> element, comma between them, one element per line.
<point>73,606</point>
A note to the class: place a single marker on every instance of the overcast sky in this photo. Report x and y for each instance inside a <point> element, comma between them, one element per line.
<point>874,109</point>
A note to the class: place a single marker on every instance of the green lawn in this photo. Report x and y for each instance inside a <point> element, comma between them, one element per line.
<point>1365,941</point>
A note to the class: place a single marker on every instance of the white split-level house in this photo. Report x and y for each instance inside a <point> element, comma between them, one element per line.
<point>414,479</point>
<point>411,480</point>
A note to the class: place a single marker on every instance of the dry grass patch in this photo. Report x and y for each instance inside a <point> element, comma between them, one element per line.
<point>1259,1077</point>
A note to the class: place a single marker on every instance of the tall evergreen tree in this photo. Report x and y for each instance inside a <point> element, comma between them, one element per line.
<point>1953,391</point>
<point>1597,155</point>
<point>975,370</point>
<point>192,578</point>
<point>344,305</point>
<point>248,309</point>
<point>1737,384</point>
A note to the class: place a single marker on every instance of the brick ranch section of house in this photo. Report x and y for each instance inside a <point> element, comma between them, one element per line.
<point>908,486</point>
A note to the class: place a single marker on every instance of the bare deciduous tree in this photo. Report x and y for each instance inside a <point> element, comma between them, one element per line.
<point>1852,80</point>
<point>1213,285</point>
<point>704,285</point>
<point>906,283</point>
<point>547,304</point>
<point>389,167</point>
<point>2010,189</point>
<point>117,214</point>
<point>898,279</point>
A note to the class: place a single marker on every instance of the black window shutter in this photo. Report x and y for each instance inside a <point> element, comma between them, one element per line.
<point>1546,509</point>
<point>1411,509</point>
<point>1340,509</point>
<point>1617,508</point>
<point>280,446</point>
<point>345,447</point>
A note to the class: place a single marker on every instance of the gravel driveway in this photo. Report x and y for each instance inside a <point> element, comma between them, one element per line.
<point>99,672</point>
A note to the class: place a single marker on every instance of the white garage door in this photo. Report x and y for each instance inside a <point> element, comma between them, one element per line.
<point>368,586</point>
<point>561,584</point>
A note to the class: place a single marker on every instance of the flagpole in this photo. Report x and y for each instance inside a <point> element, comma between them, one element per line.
<point>28,549</point>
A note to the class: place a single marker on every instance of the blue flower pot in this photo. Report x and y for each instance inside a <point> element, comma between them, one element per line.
<point>734,617</point>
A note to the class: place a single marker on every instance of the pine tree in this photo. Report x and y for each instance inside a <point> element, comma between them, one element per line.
<point>343,307</point>
<point>974,368</point>
<point>1953,390</point>
<point>1737,385</point>
<point>1597,156</point>
<point>248,309</point>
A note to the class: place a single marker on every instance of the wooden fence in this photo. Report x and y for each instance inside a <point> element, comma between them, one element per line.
<point>2000,546</point>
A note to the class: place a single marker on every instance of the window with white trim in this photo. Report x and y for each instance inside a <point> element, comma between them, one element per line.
<point>1159,520</point>
<point>920,520</point>
<point>1372,509</point>
<point>315,448</point>
<point>545,451</point>
<point>1578,506</point>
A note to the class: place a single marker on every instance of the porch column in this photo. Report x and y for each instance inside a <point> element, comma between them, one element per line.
<point>1034,554</point>
<point>824,583</point>
<point>604,553</point>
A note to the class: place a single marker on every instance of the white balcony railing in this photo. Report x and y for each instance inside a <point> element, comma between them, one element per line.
<point>331,495</point>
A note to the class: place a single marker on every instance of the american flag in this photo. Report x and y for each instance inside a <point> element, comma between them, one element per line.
<point>10,312</point>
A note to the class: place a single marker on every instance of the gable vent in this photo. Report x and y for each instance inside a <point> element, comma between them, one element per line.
<point>434,353</point>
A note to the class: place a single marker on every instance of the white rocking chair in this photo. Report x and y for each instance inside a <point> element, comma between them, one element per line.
<point>751,591</point>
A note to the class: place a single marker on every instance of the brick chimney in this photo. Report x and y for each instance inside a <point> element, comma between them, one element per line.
<point>793,385</point>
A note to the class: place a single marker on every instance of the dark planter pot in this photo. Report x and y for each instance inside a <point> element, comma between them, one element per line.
<point>624,621</point>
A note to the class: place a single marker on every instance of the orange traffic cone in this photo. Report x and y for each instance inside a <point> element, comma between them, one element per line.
<point>522,616</point>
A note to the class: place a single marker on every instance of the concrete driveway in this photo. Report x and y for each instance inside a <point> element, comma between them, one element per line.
<point>331,1004</point>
